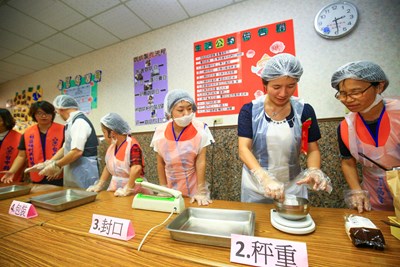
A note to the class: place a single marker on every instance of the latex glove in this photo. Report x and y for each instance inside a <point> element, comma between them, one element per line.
<point>97,187</point>
<point>39,166</point>
<point>357,199</point>
<point>272,187</point>
<point>202,196</point>
<point>8,177</point>
<point>52,170</point>
<point>315,179</point>
<point>123,192</point>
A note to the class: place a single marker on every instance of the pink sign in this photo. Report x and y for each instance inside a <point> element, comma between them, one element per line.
<point>112,227</point>
<point>22,209</point>
<point>258,251</point>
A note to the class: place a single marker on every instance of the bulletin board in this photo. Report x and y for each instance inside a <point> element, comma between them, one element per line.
<point>228,68</point>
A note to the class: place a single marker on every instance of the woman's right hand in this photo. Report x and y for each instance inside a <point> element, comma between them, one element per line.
<point>8,177</point>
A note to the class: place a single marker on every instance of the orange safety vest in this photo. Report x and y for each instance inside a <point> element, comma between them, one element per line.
<point>8,153</point>
<point>34,146</point>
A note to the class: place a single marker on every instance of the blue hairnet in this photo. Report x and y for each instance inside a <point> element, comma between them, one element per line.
<point>175,96</point>
<point>359,70</point>
<point>282,65</point>
<point>116,123</point>
<point>65,102</point>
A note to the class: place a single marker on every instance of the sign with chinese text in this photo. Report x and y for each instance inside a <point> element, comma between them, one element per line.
<point>112,227</point>
<point>22,209</point>
<point>257,251</point>
<point>151,86</point>
<point>228,68</point>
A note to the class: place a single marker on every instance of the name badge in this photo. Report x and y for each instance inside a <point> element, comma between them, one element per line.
<point>258,251</point>
<point>22,209</point>
<point>112,227</point>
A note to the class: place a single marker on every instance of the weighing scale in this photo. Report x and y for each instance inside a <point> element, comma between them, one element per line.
<point>173,202</point>
<point>298,227</point>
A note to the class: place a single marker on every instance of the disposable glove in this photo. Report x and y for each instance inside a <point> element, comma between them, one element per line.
<point>52,170</point>
<point>39,166</point>
<point>357,199</point>
<point>123,192</point>
<point>315,179</point>
<point>272,187</point>
<point>202,196</point>
<point>8,177</point>
<point>97,187</point>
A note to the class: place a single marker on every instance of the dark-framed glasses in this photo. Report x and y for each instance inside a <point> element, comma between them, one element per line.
<point>341,95</point>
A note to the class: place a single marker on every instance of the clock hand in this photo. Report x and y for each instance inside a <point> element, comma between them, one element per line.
<point>337,26</point>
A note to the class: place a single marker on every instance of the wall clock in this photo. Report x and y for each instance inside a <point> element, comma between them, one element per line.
<point>336,20</point>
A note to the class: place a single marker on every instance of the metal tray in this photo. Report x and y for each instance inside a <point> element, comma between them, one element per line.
<point>14,191</point>
<point>211,226</point>
<point>62,200</point>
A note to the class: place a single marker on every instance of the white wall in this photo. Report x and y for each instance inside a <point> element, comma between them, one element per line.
<point>376,38</point>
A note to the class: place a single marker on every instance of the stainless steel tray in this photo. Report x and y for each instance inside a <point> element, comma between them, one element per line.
<point>62,200</point>
<point>211,226</point>
<point>14,191</point>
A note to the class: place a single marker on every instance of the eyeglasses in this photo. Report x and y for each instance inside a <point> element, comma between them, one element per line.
<point>42,114</point>
<point>355,95</point>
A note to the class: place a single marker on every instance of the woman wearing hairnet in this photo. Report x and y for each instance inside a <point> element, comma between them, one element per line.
<point>372,129</point>
<point>124,159</point>
<point>181,145</point>
<point>270,130</point>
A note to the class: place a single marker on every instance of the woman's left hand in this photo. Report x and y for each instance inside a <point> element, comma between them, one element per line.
<point>315,179</point>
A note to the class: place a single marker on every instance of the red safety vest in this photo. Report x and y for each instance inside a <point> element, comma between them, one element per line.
<point>8,153</point>
<point>33,145</point>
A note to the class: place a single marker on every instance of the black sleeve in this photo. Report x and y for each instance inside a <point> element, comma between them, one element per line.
<point>314,134</point>
<point>21,145</point>
<point>344,151</point>
<point>245,128</point>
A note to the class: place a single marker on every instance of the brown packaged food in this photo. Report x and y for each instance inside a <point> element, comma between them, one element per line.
<point>363,233</point>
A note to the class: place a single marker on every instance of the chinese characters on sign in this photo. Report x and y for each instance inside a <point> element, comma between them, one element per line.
<point>259,251</point>
<point>151,86</point>
<point>22,209</point>
<point>112,227</point>
<point>228,68</point>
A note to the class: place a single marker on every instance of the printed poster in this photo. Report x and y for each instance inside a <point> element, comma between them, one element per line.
<point>151,86</point>
<point>228,68</point>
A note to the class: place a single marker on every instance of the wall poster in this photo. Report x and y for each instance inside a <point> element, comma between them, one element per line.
<point>151,86</point>
<point>228,68</point>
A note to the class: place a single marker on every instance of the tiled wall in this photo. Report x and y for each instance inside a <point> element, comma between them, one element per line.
<point>224,167</point>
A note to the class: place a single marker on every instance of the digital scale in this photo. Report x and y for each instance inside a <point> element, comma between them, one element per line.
<point>298,227</point>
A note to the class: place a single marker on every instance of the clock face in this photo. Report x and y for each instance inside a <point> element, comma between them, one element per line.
<point>336,20</point>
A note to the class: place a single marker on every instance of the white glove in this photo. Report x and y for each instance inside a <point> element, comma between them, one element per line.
<point>123,192</point>
<point>315,179</point>
<point>202,196</point>
<point>39,166</point>
<point>97,187</point>
<point>357,199</point>
<point>52,170</point>
<point>272,187</point>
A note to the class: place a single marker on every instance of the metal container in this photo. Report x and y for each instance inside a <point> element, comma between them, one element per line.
<point>293,208</point>
<point>62,200</point>
<point>211,226</point>
<point>14,191</point>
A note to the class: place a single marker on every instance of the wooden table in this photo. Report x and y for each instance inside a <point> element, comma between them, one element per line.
<point>327,246</point>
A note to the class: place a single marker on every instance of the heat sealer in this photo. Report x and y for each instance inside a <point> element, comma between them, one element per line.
<point>174,202</point>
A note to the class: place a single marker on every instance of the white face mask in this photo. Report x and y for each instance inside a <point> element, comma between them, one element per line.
<point>377,100</point>
<point>185,120</point>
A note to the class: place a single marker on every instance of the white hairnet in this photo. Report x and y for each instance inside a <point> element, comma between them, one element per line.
<point>116,123</point>
<point>175,96</point>
<point>359,70</point>
<point>282,65</point>
<point>65,102</point>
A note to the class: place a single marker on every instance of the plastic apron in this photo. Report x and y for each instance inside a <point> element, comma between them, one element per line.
<point>83,172</point>
<point>117,168</point>
<point>289,168</point>
<point>180,158</point>
<point>374,178</point>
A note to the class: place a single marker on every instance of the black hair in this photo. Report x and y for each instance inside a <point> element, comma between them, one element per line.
<point>7,118</point>
<point>45,106</point>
